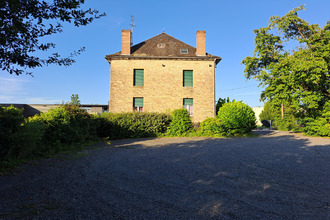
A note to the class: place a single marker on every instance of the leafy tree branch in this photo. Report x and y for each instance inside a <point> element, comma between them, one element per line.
<point>24,22</point>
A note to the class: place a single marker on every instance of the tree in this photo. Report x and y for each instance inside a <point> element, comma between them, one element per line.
<point>221,102</point>
<point>75,99</point>
<point>273,112</point>
<point>267,113</point>
<point>23,23</point>
<point>291,60</point>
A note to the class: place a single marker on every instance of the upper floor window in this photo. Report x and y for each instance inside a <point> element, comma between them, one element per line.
<point>138,79</point>
<point>188,80</point>
<point>138,104</point>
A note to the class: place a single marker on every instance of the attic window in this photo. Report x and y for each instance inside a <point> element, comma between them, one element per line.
<point>183,51</point>
<point>161,45</point>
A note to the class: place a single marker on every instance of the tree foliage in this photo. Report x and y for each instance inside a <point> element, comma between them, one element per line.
<point>291,60</point>
<point>23,23</point>
<point>273,112</point>
<point>221,102</point>
<point>75,99</point>
<point>321,125</point>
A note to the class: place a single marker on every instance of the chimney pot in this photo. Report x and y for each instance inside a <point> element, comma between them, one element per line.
<point>201,43</point>
<point>126,42</point>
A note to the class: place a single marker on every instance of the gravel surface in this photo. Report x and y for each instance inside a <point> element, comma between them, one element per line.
<point>278,175</point>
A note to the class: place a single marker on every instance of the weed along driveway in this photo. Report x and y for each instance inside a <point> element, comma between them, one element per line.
<point>278,175</point>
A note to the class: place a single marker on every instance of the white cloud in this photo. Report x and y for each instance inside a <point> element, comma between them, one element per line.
<point>11,86</point>
<point>12,90</point>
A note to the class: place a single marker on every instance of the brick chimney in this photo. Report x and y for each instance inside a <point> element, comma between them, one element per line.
<point>201,43</point>
<point>126,42</point>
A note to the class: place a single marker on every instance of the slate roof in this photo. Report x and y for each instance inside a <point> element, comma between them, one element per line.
<point>162,46</point>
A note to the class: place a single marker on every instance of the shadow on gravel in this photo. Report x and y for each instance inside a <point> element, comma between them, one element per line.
<point>273,176</point>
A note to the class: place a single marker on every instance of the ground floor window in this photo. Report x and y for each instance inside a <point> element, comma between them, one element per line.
<point>188,104</point>
<point>138,104</point>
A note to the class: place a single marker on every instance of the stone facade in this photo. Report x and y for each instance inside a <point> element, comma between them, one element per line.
<point>163,86</point>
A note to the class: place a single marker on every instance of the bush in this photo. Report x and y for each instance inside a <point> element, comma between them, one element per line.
<point>288,123</point>
<point>211,127</point>
<point>11,119</point>
<point>181,123</point>
<point>133,124</point>
<point>66,124</point>
<point>321,125</point>
<point>29,141</point>
<point>237,118</point>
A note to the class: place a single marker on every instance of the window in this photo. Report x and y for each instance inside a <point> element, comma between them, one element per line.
<point>138,77</point>
<point>88,109</point>
<point>183,51</point>
<point>161,45</point>
<point>188,78</point>
<point>188,104</point>
<point>138,104</point>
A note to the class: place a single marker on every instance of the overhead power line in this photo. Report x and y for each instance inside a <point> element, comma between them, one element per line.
<point>238,88</point>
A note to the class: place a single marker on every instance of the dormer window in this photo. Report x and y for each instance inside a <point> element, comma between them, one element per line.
<point>161,45</point>
<point>183,51</point>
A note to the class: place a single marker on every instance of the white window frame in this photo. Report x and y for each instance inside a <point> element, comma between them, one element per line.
<point>190,109</point>
<point>138,109</point>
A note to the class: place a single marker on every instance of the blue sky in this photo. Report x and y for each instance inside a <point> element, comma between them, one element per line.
<point>229,29</point>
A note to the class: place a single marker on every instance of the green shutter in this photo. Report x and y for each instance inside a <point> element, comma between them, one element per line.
<point>137,102</point>
<point>188,78</point>
<point>188,102</point>
<point>138,77</point>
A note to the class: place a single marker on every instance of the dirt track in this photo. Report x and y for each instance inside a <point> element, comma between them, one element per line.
<point>279,175</point>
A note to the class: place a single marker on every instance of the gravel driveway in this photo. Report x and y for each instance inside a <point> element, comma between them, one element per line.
<point>279,175</point>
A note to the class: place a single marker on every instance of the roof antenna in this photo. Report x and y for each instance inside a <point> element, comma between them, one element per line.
<point>132,25</point>
<point>163,30</point>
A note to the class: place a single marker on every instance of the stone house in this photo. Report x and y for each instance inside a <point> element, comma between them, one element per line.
<point>162,74</point>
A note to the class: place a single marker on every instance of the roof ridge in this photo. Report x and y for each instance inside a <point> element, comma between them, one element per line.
<point>163,33</point>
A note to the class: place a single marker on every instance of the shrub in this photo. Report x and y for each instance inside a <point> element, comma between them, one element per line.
<point>29,141</point>
<point>133,124</point>
<point>237,118</point>
<point>181,123</point>
<point>288,123</point>
<point>211,126</point>
<point>66,124</point>
<point>11,119</point>
<point>321,125</point>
